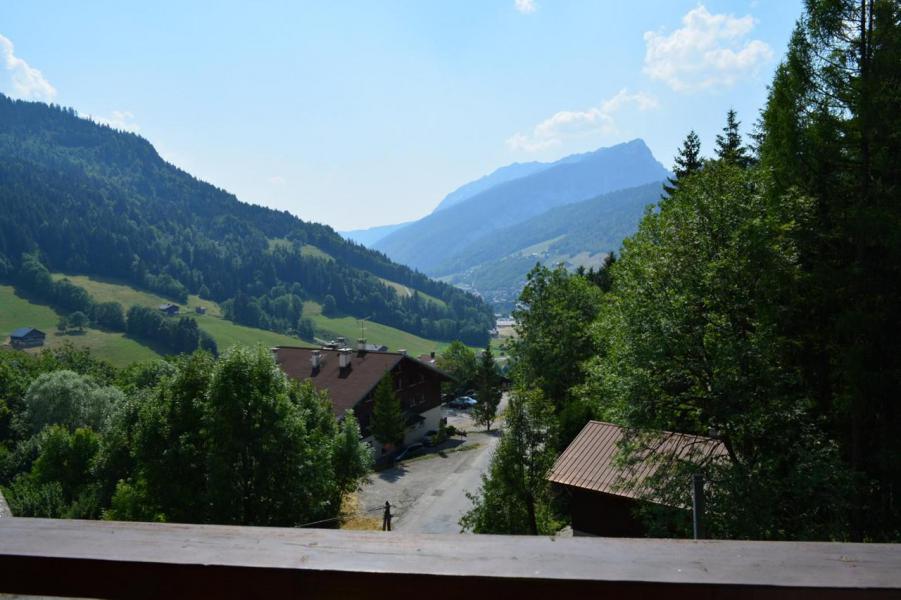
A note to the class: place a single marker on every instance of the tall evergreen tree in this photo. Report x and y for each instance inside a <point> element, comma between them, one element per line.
<point>831,130</point>
<point>687,161</point>
<point>488,380</point>
<point>387,423</point>
<point>729,146</point>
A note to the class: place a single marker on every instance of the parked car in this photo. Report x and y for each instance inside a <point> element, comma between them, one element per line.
<point>463,402</point>
<point>429,438</point>
<point>407,451</point>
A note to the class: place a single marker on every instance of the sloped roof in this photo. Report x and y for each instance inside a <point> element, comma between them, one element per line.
<point>24,331</point>
<point>590,461</point>
<point>345,387</point>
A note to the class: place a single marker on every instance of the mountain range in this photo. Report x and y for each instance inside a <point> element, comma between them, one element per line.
<point>84,198</point>
<point>487,234</point>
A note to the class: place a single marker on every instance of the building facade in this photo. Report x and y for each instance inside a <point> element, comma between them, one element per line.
<point>350,378</point>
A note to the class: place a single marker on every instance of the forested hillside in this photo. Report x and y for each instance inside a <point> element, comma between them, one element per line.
<point>89,199</point>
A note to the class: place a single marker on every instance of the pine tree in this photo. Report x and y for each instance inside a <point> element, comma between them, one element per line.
<point>729,147</point>
<point>687,161</point>
<point>488,381</point>
<point>388,425</point>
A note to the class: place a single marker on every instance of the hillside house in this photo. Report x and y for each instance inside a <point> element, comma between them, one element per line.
<point>27,337</point>
<point>170,310</point>
<point>351,376</point>
<point>200,310</point>
<point>605,494</point>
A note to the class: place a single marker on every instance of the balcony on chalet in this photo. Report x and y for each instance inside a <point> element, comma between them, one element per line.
<point>96,559</point>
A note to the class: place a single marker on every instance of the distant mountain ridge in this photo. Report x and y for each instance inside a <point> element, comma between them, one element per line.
<point>432,242</point>
<point>595,225</point>
<point>370,235</point>
<point>496,177</point>
<point>578,234</point>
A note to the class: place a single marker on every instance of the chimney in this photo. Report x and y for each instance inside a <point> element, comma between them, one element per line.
<point>316,359</point>
<point>432,355</point>
<point>344,358</point>
<point>402,351</point>
<point>361,345</point>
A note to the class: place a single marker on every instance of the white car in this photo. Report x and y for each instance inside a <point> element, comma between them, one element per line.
<point>463,402</point>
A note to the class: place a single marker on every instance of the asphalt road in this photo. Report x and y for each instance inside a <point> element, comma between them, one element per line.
<point>428,494</point>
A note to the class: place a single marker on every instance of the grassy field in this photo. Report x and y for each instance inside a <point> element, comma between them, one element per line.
<point>308,250</point>
<point>111,290</point>
<point>17,311</point>
<point>224,332</point>
<point>349,327</point>
<point>405,292</point>
<point>227,333</point>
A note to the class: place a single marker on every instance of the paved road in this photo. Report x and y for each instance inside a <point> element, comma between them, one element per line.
<point>428,495</point>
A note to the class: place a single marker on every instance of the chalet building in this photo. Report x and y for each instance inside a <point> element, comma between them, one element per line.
<point>200,310</point>
<point>351,376</point>
<point>169,309</point>
<point>606,494</point>
<point>27,337</point>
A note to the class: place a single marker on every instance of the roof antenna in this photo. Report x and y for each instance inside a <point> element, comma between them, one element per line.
<point>363,326</point>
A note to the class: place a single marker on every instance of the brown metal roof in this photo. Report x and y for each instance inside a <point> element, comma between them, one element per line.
<point>590,462</point>
<point>345,387</point>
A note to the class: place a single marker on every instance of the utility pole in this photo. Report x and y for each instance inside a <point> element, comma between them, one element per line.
<point>386,519</point>
<point>697,505</point>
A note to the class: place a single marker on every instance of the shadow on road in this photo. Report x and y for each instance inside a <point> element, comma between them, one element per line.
<point>392,474</point>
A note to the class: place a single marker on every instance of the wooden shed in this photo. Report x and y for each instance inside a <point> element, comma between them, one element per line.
<point>604,492</point>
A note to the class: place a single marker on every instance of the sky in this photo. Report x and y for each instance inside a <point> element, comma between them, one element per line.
<point>361,113</point>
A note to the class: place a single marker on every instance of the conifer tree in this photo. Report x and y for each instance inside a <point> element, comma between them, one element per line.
<point>687,161</point>
<point>488,381</point>
<point>387,417</point>
<point>729,147</point>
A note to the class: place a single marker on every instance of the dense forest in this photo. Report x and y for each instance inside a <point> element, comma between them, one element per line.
<point>89,199</point>
<point>757,304</point>
<point>192,439</point>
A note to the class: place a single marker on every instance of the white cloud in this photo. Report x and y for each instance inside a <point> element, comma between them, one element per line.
<point>526,6</point>
<point>564,125</point>
<point>19,79</point>
<point>120,119</point>
<point>623,98</point>
<point>709,51</point>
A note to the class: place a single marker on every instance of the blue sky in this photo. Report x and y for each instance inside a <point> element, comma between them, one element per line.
<point>360,113</point>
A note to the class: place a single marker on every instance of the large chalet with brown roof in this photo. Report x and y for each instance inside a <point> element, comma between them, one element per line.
<point>351,376</point>
<point>605,492</point>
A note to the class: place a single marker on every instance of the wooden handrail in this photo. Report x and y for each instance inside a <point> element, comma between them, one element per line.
<point>155,560</point>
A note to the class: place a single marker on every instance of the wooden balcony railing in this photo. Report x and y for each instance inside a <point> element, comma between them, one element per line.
<point>151,560</point>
